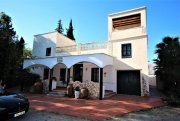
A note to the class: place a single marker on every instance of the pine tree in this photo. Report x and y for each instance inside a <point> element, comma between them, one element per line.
<point>21,46</point>
<point>70,34</point>
<point>59,27</point>
<point>7,45</point>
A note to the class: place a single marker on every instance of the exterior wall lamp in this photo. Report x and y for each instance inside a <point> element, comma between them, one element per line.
<point>104,74</point>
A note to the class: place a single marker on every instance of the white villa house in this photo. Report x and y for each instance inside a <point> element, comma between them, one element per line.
<point>119,64</point>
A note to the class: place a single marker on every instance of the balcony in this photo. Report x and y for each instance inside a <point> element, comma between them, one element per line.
<point>89,48</point>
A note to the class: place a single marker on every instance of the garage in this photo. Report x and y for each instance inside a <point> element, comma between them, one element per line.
<point>128,82</point>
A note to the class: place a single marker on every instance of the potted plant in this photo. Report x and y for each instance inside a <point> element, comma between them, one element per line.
<point>77,92</point>
<point>54,82</point>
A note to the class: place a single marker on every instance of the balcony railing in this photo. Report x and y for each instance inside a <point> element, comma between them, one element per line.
<point>66,49</point>
<point>83,47</point>
<point>95,45</point>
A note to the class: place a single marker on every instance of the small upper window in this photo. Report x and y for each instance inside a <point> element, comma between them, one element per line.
<point>126,50</point>
<point>48,51</point>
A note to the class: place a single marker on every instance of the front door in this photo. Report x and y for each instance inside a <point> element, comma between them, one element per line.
<point>63,75</point>
<point>78,72</point>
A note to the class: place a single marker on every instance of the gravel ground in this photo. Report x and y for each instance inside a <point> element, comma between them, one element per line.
<point>34,115</point>
<point>159,114</point>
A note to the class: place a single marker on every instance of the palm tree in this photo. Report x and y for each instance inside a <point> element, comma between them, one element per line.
<point>168,63</point>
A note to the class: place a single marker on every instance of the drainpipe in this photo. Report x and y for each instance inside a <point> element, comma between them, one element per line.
<point>100,83</point>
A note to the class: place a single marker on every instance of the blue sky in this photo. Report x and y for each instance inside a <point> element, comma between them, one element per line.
<point>31,17</point>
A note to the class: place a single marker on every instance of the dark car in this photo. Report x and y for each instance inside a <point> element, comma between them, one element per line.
<point>12,105</point>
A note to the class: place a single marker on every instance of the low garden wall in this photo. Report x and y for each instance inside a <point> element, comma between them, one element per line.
<point>92,87</point>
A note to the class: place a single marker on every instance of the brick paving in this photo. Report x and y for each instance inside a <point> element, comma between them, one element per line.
<point>93,109</point>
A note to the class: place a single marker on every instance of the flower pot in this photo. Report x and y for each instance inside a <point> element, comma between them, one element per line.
<point>77,94</point>
<point>54,84</point>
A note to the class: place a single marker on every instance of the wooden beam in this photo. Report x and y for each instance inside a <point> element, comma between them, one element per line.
<point>127,27</point>
<point>125,20</point>
<point>125,24</point>
<point>128,17</point>
<point>122,22</point>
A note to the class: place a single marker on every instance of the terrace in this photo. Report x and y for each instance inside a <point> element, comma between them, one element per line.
<point>88,48</point>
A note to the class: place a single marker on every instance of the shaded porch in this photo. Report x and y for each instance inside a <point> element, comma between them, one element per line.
<point>89,67</point>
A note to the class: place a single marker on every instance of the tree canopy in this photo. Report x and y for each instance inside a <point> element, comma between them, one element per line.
<point>27,53</point>
<point>168,63</point>
<point>59,27</point>
<point>11,49</point>
<point>70,30</point>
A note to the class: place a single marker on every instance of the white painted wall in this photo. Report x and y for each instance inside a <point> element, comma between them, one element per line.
<point>46,40</point>
<point>43,41</point>
<point>139,58</point>
<point>109,80</point>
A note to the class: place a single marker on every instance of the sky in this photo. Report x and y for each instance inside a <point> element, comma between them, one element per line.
<point>31,17</point>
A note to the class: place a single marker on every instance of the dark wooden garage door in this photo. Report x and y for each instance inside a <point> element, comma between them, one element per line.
<point>128,82</point>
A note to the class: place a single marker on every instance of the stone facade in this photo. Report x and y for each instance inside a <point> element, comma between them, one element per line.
<point>92,87</point>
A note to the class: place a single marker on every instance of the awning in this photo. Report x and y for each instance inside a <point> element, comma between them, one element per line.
<point>48,62</point>
<point>100,59</point>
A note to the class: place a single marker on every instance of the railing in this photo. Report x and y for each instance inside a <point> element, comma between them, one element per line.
<point>82,47</point>
<point>66,49</point>
<point>95,45</point>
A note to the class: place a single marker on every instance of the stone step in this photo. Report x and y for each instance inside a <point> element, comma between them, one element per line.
<point>56,92</point>
<point>109,94</point>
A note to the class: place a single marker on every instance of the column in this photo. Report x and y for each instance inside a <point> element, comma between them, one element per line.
<point>50,79</point>
<point>68,76</point>
<point>100,83</point>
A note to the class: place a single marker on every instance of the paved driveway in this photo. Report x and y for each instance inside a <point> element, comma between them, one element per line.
<point>93,109</point>
<point>158,114</point>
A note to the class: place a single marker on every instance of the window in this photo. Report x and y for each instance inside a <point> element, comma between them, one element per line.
<point>48,51</point>
<point>126,50</point>
<point>95,74</point>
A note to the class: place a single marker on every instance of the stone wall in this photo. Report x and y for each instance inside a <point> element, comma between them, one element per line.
<point>92,87</point>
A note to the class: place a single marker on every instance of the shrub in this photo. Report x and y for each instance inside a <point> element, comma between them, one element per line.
<point>27,80</point>
<point>173,101</point>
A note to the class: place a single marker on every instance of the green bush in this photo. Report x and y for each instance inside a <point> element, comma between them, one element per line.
<point>77,88</point>
<point>173,101</point>
<point>27,80</point>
